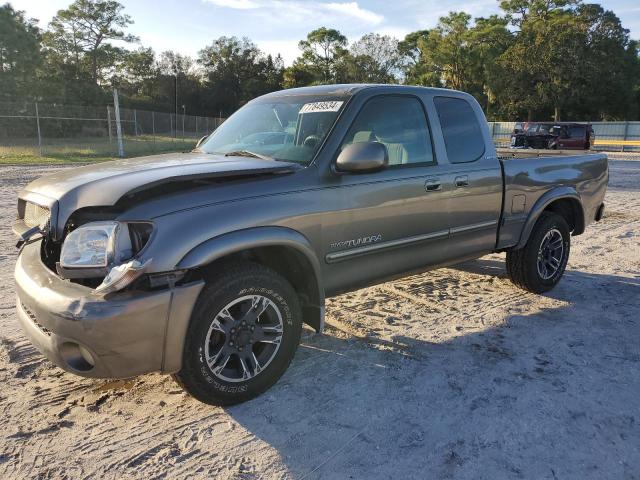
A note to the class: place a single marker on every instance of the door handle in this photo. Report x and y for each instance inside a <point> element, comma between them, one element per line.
<point>462,181</point>
<point>432,184</point>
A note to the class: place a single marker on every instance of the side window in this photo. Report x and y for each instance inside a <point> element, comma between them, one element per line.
<point>576,132</point>
<point>460,128</point>
<point>397,122</point>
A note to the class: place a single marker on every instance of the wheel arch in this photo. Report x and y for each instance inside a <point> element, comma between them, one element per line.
<point>266,245</point>
<point>566,202</point>
<point>282,249</point>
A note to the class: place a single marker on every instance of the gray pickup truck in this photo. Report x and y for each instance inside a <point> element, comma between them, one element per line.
<point>206,264</point>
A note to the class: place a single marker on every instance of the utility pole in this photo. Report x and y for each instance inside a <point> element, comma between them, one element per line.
<point>40,135</point>
<point>176,73</point>
<point>184,111</point>
<point>116,108</point>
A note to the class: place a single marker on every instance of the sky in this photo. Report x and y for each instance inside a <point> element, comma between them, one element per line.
<point>276,26</point>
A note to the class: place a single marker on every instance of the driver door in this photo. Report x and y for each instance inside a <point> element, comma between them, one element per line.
<point>390,221</point>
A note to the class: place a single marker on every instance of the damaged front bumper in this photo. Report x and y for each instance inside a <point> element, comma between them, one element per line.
<point>115,336</point>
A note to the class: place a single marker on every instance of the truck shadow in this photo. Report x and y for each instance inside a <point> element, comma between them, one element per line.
<point>592,286</point>
<point>548,392</point>
<point>545,393</point>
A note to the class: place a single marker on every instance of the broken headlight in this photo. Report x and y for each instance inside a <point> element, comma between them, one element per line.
<point>105,249</point>
<point>92,245</point>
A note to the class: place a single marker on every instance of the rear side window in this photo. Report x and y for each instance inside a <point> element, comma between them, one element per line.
<point>460,128</point>
<point>577,132</point>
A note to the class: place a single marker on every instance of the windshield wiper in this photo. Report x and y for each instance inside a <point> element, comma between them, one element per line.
<point>247,153</point>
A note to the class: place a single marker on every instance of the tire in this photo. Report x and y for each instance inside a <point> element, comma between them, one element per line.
<point>522,265</point>
<point>216,322</point>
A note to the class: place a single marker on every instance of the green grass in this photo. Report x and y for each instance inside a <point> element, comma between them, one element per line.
<point>87,150</point>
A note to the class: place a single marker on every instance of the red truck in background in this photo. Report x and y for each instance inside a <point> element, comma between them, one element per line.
<point>553,135</point>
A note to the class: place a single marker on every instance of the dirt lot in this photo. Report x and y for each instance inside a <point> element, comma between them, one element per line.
<point>450,374</point>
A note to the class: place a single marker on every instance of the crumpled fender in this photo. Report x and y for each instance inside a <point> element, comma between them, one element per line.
<point>256,237</point>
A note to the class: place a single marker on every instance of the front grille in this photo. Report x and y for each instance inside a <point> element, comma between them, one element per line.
<point>33,318</point>
<point>35,215</point>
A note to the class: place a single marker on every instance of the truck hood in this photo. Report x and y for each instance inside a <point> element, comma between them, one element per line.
<point>103,184</point>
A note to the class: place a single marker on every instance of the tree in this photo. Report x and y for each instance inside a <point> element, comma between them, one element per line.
<point>417,72</point>
<point>136,73</point>
<point>445,56</point>
<point>542,60</point>
<point>173,63</point>
<point>236,71</point>
<point>81,34</point>
<point>520,12</point>
<point>374,59</point>
<point>321,53</point>
<point>569,59</point>
<point>609,62</point>
<point>491,38</point>
<point>299,74</point>
<point>539,59</point>
<point>20,56</point>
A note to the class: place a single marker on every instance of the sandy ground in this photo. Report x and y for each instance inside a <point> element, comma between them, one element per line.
<point>451,374</point>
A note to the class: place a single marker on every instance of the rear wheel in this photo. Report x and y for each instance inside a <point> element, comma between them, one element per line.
<point>539,266</point>
<point>244,331</point>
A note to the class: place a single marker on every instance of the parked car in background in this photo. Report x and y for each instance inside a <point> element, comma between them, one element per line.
<point>553,135</point>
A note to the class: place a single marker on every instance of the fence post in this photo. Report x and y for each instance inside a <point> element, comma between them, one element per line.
<point>116,108</point>
<point>135,122</point>
<point>206,122</point>
<point>109,126</point>
<point>153,129</point>
<point>626,133</point>
<point>183,128</point>
<point>39,135</point>
<point>171,127</point>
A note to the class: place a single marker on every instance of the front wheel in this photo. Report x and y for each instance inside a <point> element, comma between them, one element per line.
<point>244,331</point>
<point>539,266</point>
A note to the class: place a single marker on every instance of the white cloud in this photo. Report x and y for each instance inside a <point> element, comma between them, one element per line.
<point>353,10</point>
<point>288,49</point>
<point>236,4</point>
<point>43,10</point>
<point>304,11</point>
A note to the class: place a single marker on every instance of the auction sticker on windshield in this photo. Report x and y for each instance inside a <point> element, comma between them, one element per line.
<point>321,107</point>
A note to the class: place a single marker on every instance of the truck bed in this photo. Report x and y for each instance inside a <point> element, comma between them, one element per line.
<point>530,179</point>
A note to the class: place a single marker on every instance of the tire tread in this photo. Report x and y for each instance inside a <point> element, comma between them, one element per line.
<point>523,272</point>
<point>188,378</point>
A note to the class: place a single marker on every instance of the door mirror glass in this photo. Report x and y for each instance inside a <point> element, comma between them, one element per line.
<point>362,157</point>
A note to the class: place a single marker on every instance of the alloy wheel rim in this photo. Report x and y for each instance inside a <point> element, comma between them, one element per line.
<point>550,254</point>
<point>243,338</point>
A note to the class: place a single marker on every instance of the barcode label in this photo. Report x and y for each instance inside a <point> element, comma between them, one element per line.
<point>321,107</point>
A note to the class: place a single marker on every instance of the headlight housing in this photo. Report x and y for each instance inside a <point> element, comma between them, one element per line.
<point>91,246</point>
<point>105,249</point>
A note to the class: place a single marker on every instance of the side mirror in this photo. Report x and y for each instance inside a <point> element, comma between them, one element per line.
<point>362,157</point>
<point>201,140</point>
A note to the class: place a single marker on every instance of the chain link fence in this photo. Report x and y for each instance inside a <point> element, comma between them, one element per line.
<point>36,129</point>
<point>67,131</point>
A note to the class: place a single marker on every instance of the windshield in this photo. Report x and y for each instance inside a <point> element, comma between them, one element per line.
<point>290,128</point>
